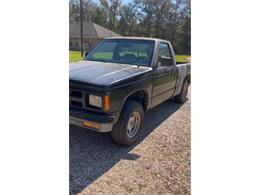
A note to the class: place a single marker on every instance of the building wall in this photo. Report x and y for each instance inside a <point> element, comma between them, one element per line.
<point>88,43</point>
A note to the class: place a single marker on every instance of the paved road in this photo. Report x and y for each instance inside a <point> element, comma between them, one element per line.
<point>158,164</point>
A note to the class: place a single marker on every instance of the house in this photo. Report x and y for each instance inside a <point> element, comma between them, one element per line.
<point>92,34</point>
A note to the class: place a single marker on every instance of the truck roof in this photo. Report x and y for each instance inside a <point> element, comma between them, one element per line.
<point>137,38</point>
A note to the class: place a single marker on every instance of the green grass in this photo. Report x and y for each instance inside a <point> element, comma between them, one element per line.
<point>76,56</point>
<point>105,55</point>
<point>183,58</point>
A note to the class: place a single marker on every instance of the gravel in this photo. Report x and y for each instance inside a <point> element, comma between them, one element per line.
<point>158,164</point>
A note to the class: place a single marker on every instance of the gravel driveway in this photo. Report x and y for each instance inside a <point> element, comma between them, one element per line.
<point>158,164</point>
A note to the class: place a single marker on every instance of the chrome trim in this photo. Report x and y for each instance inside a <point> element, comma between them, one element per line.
<point>105,127</point>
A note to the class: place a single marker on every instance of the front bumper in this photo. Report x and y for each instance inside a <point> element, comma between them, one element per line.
<point>104,122</point>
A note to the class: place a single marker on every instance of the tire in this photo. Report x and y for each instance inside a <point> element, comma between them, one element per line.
<point>182,97</point>
<point>122,132</point>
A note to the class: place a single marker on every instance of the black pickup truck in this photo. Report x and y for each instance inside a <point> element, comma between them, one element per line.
<point>122,78</point>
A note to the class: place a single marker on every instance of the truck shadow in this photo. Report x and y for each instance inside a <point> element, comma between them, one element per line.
<point>93,154</point>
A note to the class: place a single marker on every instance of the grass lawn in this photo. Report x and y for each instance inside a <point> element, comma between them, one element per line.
<point>183,58</point>
<point>76,56</point>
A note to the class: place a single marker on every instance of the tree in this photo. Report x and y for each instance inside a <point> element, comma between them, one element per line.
<point>184,30</point>
<point>128,20</point>
<point>146,8</point>
<point>74,11</point>
<point>99,16</point>
<point>166,19</point>
<point>112,7</point>
<point>91,12</point>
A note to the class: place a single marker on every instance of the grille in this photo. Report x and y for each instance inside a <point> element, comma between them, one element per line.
<point>77,98</point>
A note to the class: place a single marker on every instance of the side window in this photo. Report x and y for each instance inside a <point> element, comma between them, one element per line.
<point>164,55</point>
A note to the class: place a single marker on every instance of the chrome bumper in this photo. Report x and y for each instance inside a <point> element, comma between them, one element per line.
<point>104,127</point>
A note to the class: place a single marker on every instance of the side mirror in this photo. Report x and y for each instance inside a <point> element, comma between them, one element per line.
<point>164,61</point>
<point>86,54</point>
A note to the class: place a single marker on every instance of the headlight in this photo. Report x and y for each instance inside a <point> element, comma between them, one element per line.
<point>95,101</point>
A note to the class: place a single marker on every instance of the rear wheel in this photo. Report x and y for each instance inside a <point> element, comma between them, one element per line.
<point>126,131</point>
<point>181,98</point>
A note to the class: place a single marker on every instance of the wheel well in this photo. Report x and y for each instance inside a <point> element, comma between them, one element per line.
<point>141,97</point>
<point>188,78</point>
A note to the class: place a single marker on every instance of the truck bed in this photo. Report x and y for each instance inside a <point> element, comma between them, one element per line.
<point>183,71</point>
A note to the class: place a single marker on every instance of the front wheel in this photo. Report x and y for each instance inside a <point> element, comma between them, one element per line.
<point>126,131</point>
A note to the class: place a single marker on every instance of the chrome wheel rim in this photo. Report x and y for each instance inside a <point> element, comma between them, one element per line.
<point>133,124</point>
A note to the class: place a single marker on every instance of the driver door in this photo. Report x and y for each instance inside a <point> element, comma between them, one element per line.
<point>164,75</point>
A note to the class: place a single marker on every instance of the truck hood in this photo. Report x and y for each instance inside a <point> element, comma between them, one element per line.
<point>103,73</point>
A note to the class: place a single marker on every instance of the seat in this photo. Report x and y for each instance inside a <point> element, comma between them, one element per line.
<point>128,57</point>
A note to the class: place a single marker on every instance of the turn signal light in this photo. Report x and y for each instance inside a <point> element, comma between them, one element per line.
<point>91,125</point>
<point>107,103</point>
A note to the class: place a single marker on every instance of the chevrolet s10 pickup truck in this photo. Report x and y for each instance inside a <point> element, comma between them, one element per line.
<point>122,78</point>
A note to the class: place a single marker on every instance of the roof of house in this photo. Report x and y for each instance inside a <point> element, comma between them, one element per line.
<point>91,30</point>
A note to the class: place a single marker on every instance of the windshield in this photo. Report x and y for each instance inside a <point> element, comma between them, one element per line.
<point>123,51</point>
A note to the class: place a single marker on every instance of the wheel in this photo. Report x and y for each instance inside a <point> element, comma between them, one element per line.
<point>181,98</point>
<point>126,131</point>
